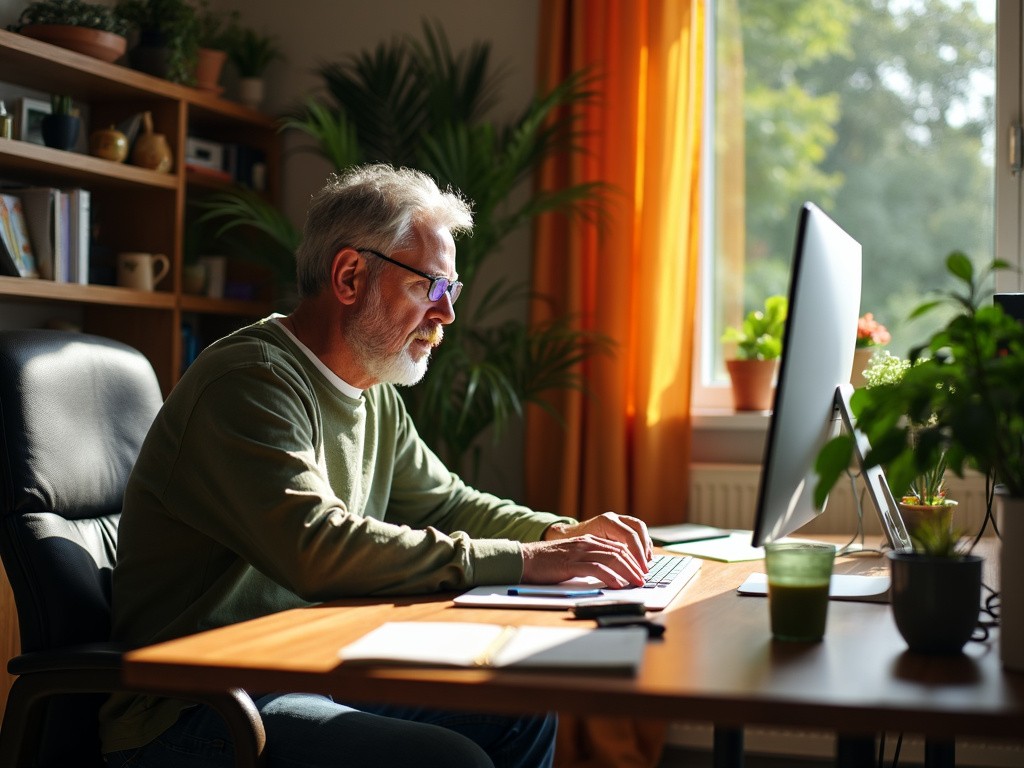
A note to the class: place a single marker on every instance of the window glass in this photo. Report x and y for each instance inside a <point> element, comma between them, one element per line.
<point>880,111</point>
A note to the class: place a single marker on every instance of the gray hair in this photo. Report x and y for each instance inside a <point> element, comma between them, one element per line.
<point>372,206</point>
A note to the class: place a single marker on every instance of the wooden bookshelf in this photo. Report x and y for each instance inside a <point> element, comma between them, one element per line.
<point>135,209</point>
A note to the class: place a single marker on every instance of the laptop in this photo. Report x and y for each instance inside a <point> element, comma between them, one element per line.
<point>667,577</point>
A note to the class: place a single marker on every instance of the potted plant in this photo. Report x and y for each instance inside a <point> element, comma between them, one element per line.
<point>90,28</point>
<point>251,53</point>
<point>758,343</point>
<point>871,335</point>
<point>926,498</point>
<point>60,128</point>
<point>964,402</point>
<point>936,590</point>
<point>168,37</point>
<point>214,31</point>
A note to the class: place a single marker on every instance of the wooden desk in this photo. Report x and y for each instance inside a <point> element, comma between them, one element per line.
<point>716,663</point>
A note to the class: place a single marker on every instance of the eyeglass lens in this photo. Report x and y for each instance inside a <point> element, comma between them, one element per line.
<point>440,285</point>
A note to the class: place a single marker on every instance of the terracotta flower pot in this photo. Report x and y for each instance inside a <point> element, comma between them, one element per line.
<point>106,46</point>
<point>916,515</point>
<point>861,360</point>
<point>209,65</point>
<point>752,383</point>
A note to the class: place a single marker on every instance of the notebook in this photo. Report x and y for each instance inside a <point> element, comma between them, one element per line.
<point>667,577</point>
<point>489,646</point>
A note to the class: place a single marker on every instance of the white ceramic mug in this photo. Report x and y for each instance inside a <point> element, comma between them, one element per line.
<point>141,271</point>
<point>216,271</point>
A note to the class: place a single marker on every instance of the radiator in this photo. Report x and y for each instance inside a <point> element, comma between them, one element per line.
<point>725,495</point>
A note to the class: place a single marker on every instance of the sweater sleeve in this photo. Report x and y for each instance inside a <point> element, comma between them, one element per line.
<point>252,474</point>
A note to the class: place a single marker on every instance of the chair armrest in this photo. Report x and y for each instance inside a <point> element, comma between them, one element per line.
<point>89,656</point>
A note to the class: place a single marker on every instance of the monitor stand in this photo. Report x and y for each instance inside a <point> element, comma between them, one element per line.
<point>874,479</point>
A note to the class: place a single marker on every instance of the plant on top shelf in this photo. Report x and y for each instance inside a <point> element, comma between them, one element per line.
<point>168,37</point>
<point>89,28</point>
<point>73,13</point>
<point>214,29</point>
<point>250,51</point>
<point>758,346</point>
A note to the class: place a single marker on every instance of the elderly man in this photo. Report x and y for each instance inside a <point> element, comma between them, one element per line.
<point>283,470</point>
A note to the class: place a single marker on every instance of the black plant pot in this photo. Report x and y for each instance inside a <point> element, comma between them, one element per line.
<point>935,600</point>
<point>60,131</point>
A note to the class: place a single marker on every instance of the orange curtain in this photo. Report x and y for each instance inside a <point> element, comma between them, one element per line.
<point>624,445</point>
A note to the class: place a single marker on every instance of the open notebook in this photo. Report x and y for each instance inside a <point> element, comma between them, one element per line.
<point>478,645</point>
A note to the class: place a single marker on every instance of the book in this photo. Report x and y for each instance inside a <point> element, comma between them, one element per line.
<point>14,232</point>
<point>42,214</point>
<point>78,229</point>
<point>477,645</point>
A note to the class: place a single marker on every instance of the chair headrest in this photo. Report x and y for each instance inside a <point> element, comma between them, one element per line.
<point>74,410</point>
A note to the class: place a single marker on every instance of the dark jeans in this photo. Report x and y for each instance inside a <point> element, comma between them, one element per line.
<point>314,731</point>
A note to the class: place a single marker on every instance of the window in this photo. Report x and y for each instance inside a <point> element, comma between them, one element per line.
<point>883,112</point>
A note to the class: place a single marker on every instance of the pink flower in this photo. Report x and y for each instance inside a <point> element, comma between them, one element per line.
<point>871,333</point>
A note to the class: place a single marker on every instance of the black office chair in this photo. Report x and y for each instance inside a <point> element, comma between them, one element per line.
<point>74,410</point>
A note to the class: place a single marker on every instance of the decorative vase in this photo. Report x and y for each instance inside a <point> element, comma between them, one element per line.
<point>935,600</point>
<point>60,131</point>
<point>250,91</point>
<point>752,383</point>
<point>861,360</point>
<point>109,143</point>
<point>1010,517</point>
<point>151,149</point>
<point>209,65</point>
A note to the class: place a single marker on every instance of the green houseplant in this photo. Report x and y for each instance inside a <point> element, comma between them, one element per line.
<point>251,53</point>
<point>90,28</point>
<point>213,36</point>
<point>964,402</point>
<point>758,346</point>
<point>925,499</point>
<point>168,37</point>
<point>420,104</point>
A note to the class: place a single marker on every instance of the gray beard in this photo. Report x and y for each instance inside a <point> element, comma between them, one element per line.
<point>367,335</point>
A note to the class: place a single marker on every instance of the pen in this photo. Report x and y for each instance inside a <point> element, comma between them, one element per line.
<point>555,591</point>
<point>487,655</point>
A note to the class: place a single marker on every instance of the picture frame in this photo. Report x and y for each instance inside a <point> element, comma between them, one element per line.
<point>28,119</point>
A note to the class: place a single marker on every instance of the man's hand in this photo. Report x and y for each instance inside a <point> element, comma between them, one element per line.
<point>613,548</point>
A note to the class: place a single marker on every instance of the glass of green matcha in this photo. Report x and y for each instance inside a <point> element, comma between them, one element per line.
<point>798,579</point>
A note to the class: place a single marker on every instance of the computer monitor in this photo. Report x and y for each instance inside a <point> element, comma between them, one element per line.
<point>813,389</point>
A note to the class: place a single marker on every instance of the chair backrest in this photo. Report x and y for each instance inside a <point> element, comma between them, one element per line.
<point>74,410</point>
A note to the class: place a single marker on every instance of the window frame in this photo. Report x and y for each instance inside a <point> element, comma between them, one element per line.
<point>712,402</point>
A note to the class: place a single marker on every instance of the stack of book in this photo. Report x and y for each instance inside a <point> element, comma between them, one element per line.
<point>46,233</point>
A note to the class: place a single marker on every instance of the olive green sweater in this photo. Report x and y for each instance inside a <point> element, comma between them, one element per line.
<point>261,487</point>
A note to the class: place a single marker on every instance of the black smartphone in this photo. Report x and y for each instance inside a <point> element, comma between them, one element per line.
<point>591,609</point>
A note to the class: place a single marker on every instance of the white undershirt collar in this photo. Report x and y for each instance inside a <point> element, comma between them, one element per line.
<point>343,386</point>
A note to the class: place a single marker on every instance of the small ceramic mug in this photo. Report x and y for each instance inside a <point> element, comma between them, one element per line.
<point>141,271</point>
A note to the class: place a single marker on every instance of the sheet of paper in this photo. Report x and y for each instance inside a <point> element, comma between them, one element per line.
<point>734,548</point>
<point>843,586</point>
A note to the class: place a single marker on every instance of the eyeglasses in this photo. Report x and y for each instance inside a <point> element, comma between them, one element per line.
<point>438,285</point>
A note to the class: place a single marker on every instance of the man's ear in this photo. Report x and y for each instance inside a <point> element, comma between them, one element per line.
<point>348,275</point>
